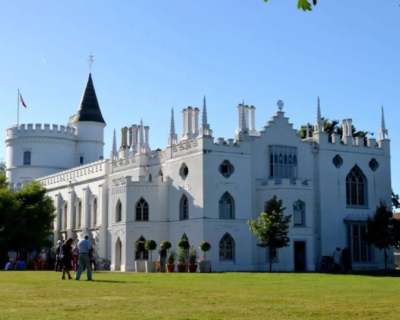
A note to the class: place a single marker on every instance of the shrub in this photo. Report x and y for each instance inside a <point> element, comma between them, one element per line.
<point>205,246</point>
<point>181,256</point>
<point>150,245</point>
<point>183,244</point>
<point>171,257</point>
<point>139,246</point>
<point>192,255</point>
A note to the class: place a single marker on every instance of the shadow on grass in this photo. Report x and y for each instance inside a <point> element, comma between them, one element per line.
<point>115,281</point>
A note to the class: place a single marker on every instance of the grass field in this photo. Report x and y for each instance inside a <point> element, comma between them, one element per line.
<point>43,295</point>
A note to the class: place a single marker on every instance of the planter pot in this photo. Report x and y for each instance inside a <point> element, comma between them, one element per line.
<point>192,268</point>
<point>205,266</point>
<point>151,266</point>
<point>170,267</point>
<point>182,267</point>
<point>140,266</point>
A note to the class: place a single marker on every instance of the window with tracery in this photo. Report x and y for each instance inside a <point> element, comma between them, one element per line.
<point>226,206</point>
<point>226,248</point>
<point>118,213</point>
<point>142,210</point>
<point>184,208</point>
<point>356,188</point>
<point>283,162</point>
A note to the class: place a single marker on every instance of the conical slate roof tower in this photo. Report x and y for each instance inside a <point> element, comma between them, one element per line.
<point>89,109</point>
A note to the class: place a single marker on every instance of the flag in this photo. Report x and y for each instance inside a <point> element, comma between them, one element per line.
<point>22,100</point>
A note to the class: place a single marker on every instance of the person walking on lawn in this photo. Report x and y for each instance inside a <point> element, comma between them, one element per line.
<point>84,248</point>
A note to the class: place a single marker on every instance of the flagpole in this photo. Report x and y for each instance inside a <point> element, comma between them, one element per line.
<point>18,110</point>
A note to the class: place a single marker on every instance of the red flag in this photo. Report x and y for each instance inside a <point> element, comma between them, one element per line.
<point>22,101</point>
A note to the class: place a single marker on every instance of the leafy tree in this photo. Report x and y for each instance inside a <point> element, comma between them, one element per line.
<point>2,168</point>
<point>305,5</point>
<point>272,227</point>
<point>383,231</point>
<point>395,200</point>
<point>33,221</point>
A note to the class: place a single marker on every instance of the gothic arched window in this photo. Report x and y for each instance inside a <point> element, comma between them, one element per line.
<point>94,211</point>
<point>65,216</point>
<point>118,212</point>
<point>227,248</point>
<point>226,207</point>
<point>299,209</point>
<point>184,208</point>
<point>79,219</point>
<point>356,188</point>
<point>142,210</point>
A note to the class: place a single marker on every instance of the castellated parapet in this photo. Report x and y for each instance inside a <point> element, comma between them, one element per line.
<point>41,130</point>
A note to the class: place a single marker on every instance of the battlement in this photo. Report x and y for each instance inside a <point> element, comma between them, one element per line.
<point>94,169</point>
<point>350,144</point>
<point>40,130</point>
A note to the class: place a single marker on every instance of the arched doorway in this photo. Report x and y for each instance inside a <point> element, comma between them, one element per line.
<point>118,255</point>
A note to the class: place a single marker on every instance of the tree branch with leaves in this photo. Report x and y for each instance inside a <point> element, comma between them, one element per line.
<point>272,227</point>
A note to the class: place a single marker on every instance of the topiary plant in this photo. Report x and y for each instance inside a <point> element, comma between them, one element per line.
<point>167,245</point>
<point>171,257</point>
<point>183,244</point>
<point>139,246</point>
<point>205,246</point>
<point>150,245</point>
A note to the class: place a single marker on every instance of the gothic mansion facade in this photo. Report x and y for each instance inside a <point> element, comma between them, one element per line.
<point>204,188</point>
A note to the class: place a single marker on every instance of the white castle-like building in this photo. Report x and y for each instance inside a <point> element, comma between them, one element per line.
<point>206,188</point>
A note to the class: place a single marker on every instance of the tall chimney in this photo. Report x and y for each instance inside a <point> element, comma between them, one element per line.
<point>184,130</point>
<point>146,138</point>
<point>195,122</point>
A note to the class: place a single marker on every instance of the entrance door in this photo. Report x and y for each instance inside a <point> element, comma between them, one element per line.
<point>299,256</point>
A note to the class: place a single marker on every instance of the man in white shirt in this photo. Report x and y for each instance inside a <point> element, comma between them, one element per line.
<point>84,248</point>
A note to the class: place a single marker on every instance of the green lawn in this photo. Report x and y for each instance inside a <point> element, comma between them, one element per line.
<point>43,295</point>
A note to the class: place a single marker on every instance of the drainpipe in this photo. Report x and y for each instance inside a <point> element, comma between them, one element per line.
<point>317,208</point>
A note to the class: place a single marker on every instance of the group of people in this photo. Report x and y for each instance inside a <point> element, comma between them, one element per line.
<point>80,256</point>
<point>341,260</point>
<point>65,257</point>
<point>18,265</point>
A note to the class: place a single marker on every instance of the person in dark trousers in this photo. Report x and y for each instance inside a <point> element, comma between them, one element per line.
<point>51,258</point>
<point>58,256</point>
<point>163,258</point>
<point>84,247</point>
<point>336,260</point>
<point>346,260</point>
<point>66,258</point>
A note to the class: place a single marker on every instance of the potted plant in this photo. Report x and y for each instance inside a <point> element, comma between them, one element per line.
<point>181,260</point>
<point>205,265</point>
<point>150,246</point>
<point>140,264</point>
<point>183,245</point>
<point>192,259</point>
<point>171,257</point>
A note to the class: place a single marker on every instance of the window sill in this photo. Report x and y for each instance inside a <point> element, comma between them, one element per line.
<point>299,226</point>
<point>139,221</point>
<point>77,229</point>
<point>227,262</point>
<point>356,207</point>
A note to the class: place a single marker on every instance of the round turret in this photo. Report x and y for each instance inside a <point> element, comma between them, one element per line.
<point>34,151</point>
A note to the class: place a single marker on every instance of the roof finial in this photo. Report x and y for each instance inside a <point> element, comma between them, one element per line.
<point>204,114</point>
<point>280,105</point>
<point>172,129</point>
<point>383,132</point>
<point>90,62</point>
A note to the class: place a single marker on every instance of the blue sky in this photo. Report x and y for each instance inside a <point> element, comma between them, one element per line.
<point>154,55</point>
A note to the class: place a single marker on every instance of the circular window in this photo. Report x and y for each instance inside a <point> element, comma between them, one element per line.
<point>337,161</point>
<point>373,164</point>
<point>226,168</point>
<point>184,171</point>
